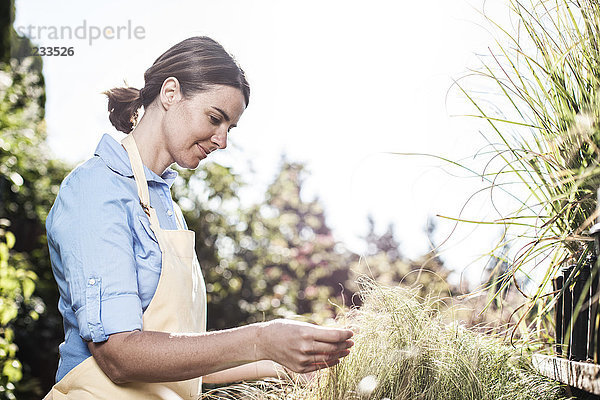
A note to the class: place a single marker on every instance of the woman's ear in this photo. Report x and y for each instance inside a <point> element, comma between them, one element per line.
<point>170,92</point>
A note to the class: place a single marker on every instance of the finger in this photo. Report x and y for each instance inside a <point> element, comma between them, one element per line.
<point>331,335</point>
<point>354,328</point>
<point>341,354</point>
<point>323,347</point>
<point>318,366</point>
<point>325,358</point>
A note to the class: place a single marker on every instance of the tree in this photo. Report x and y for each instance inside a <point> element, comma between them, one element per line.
<point>274,259</point>
<point>386,243</point>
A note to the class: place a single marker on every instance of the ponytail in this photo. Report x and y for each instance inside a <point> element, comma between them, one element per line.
<point>123,106</point>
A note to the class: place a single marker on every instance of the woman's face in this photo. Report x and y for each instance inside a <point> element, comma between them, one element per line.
<point>197,126</point>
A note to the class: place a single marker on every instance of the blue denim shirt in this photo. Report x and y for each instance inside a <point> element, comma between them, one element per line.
<point>105,258</point>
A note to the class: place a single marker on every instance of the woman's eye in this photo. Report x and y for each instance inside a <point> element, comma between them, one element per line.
<point>214,120</point>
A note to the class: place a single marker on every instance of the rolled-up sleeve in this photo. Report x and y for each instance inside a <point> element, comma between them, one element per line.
<point>91,230</point>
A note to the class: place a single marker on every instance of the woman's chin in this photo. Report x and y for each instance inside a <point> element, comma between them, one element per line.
<point>189,164</point>
<point>197,164</point>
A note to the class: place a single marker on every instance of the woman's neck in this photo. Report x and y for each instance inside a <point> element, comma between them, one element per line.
<point>150,143</point>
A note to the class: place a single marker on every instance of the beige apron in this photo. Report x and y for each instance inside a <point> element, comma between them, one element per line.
<point>178,306</point>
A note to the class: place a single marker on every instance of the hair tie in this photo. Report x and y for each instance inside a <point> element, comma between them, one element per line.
<point>141,96</point>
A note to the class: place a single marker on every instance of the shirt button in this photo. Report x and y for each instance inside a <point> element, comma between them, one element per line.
<point>169,213</point>
<point>92,281</point>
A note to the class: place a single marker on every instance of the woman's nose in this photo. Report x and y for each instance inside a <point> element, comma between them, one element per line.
<point>220,140</point>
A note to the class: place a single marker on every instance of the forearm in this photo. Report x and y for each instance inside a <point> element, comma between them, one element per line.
<point>146,356</point>
<point>252,371</point>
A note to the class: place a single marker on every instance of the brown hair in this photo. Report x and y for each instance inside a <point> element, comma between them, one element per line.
<point>197,62</point>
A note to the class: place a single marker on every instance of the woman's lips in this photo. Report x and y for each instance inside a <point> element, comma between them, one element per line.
<point>202,150</point>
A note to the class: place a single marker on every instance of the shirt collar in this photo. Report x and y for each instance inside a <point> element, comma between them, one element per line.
<point>116,158</point>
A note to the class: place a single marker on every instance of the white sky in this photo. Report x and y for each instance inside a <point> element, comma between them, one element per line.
<point>334,84</point>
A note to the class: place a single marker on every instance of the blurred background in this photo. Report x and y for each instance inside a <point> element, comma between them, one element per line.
<point>335,170</point>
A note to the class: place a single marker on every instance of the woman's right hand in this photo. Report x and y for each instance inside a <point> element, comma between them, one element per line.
<point>302,347</point>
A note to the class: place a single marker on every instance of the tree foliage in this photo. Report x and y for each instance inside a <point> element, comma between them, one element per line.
<point>29,181</point>
<point>17,283</point>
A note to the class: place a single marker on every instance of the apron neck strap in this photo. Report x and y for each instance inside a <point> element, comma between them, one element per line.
<point>138,171</point>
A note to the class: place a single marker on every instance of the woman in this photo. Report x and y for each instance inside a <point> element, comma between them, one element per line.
<point>132,294</point>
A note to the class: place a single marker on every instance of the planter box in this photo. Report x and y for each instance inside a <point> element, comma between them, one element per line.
<point>581,375</point>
